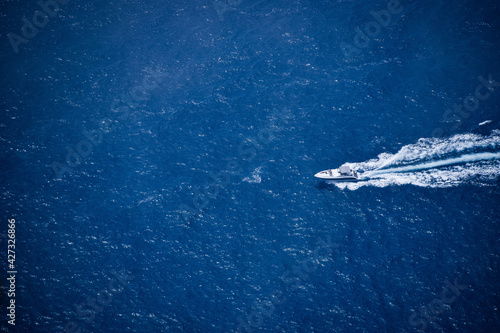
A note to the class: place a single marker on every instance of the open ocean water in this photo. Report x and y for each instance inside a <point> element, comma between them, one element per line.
<point>158,160</point>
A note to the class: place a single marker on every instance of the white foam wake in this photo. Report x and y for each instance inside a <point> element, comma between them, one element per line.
<point>434,162</point>
<point>437,164</point>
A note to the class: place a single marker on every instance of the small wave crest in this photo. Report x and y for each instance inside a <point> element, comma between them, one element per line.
<point>255,176</point>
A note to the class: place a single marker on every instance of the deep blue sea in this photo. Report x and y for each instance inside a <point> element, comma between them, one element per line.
<point>158,160</point>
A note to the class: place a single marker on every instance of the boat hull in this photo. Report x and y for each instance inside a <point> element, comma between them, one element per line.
<point>335,175</point>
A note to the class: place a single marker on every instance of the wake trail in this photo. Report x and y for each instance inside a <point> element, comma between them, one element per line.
<point>437,164</point>
<point>434,162</point>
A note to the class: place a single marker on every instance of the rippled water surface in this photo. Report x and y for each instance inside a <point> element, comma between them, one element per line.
<point>158,158</point>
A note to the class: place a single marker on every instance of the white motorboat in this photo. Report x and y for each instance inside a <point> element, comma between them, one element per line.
<point>344,173</point>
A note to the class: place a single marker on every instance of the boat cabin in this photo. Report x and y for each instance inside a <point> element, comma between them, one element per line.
<point>345,170</point>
